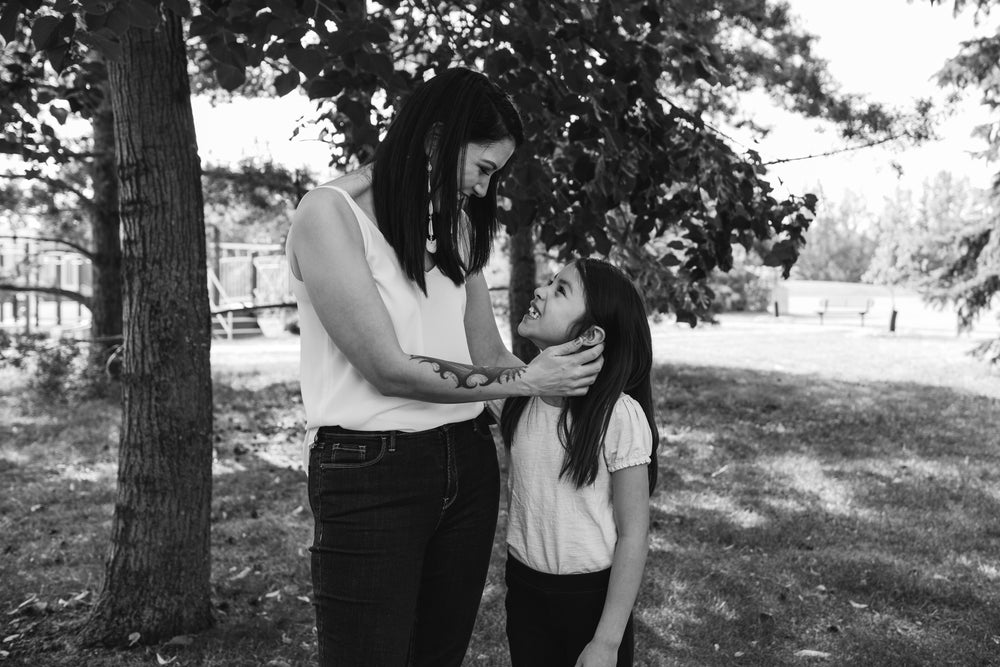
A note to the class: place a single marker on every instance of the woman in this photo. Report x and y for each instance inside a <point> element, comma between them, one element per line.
<point>399,351</point>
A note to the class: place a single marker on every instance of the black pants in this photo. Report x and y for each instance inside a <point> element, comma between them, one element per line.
<point>552,617</point>
<point>404,531</point>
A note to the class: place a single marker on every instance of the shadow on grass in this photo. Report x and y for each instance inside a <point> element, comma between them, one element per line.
<point>860,520</point>
<point>60,464</point>
<point>798,513</point>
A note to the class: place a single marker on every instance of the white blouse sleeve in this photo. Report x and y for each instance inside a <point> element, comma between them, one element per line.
<point>628,441</point>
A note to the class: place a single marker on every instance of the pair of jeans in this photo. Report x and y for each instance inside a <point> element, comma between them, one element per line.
<point>404,527</point>
<point>552,617</point>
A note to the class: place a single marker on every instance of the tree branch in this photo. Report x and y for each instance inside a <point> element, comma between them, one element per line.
<point>55,291</point>
<point>78,248</point>
<point>837,151</point>
<point>54,182</point>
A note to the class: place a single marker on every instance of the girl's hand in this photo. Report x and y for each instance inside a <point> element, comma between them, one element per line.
<point>564,370</point>
<point>598,654</point>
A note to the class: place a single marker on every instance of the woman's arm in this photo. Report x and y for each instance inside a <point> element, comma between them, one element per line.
<point>327,253</point>
<point>630,498</point>
<point>485,344</point>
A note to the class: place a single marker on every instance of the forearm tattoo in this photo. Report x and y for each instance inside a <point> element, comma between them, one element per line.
<point>470,377</point>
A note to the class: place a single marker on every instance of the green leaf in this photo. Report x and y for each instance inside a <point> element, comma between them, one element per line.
<point>323,88</point>
<point>118,20</point>
<point>141,14</point>
<point>181,8</point>
<point>381,66</point>
<point>43,32</point>
<point>229,77</point>
<point>357,112</point>
<point>307,61</point>
<point>58,57</point>
<point>59,114</point>
<point>103,40</point>
<point>97,7</point>
<point>377,33</point>
<point>286,82</point>
<point>8,20</point>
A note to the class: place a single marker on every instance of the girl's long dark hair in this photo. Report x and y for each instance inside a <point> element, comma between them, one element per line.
<point>614,304</point>
<point>456,107</point>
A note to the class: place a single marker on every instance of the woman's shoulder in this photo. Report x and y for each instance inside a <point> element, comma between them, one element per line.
<point>332,200</point>
<point>327,214</point>
<point>355,184</point>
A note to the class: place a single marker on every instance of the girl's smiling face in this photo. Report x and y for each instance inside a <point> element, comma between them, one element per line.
<point>555,310</point>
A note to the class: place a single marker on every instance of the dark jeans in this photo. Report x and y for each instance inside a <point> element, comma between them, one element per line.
<point>552,617</point>
<point>404,531</point>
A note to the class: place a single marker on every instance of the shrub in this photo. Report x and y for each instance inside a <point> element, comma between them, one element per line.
<point>57,368</point>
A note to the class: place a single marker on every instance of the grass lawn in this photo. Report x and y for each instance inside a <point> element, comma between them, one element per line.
<point>827,496</point>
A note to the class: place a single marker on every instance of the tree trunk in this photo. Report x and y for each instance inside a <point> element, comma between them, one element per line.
<point>522,287</point>
<point>106,300</point>
<point>158,574</point>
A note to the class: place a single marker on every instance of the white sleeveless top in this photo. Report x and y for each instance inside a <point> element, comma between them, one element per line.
<point>334,393</point>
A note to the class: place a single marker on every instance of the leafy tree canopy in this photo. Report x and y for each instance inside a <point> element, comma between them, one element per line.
<point>617,99</point>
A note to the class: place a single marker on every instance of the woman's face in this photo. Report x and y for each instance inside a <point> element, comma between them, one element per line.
<point>479,163</point>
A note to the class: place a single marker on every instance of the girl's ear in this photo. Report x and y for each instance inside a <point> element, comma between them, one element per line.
<point>593,335</point>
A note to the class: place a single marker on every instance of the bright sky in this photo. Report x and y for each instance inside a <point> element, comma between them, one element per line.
<point>888,50</point>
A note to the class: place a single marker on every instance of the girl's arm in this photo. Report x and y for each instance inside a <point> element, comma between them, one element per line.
<point>630,498</point>
<point>326,252</point>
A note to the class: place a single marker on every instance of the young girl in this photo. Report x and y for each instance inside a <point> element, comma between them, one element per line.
<point>581,471</point>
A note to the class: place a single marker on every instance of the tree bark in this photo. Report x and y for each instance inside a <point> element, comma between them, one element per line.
<point>522,287</point>
<point>106,299</point>
<point>158,571</point>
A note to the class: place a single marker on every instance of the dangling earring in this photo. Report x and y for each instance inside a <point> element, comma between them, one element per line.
<point>431,244</point>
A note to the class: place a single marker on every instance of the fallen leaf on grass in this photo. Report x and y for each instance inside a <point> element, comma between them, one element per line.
<point>180,640</point>
<point>242,573</point>
<point>808,653</point>
<point>858,605</point>
<point>163,661</point>
<point>274,594</point>
<point>134,638</point>
<point>23,605</point>
<point>304,599</point>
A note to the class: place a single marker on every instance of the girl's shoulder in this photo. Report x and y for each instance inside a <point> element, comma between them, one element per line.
<point>628,410</point>
<point>628,440</point>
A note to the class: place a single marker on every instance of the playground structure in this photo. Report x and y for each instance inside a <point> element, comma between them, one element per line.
<point>242,279</point>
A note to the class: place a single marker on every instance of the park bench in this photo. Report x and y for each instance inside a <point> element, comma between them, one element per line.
<point>845,306</point>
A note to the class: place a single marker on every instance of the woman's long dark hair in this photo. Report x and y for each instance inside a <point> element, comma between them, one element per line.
<point>614,304</point>
<point>456,107</point>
